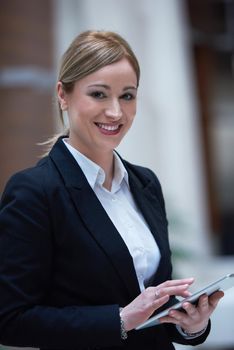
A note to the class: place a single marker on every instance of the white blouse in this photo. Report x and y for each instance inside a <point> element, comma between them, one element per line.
<point>123,212</point>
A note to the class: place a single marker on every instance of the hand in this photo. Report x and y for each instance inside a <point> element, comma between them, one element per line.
<point>151,299</point>
<point>195,318</point>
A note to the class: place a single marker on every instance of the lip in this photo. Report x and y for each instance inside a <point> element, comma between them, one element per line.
<point>108,129</point>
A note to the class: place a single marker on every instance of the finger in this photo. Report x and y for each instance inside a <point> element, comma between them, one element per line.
<point>177,282</point>
<point>157,293</point>
<point>174,316</point>
<point>191,310</point>
<point>203,304</point>
<point>181,290</point>
<point>215,298</point>
<point>158,302</point>
<point>168,319</point>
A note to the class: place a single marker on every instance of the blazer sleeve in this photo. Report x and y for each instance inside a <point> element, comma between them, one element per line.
<point>26,265</point>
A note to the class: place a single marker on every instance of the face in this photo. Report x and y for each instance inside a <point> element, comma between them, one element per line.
<point>101,108</point>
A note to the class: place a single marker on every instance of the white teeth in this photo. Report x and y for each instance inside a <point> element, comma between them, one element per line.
<point>108,127</point>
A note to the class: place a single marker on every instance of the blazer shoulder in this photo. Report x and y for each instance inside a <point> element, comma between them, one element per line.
<point>33,178</point>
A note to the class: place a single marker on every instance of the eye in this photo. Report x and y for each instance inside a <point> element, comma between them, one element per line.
<point>128,96</point>
<point>98,94</point>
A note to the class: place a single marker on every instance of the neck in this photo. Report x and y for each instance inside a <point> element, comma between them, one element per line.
<point>104,159</point>
<point>106,162</point>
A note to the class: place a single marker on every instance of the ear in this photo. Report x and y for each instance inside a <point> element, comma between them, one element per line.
<point>62,97</point>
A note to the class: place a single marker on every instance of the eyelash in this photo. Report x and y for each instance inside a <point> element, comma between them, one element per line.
<point>98,94</point>
<point>101,95</point>
<point>128,96</point>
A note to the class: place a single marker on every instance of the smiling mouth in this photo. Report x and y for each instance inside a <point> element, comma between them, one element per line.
<point>109,129</point>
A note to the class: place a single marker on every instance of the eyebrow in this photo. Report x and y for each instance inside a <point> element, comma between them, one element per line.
<point>108,87</point>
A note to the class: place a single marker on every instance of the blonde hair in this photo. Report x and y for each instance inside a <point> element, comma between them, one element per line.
<point>88,52</point>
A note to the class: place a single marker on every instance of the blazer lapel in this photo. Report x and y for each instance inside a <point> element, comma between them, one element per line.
<point>95,218</point>
<point>149,205</point>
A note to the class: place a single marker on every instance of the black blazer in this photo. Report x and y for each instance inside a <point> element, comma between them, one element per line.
<point>64,268</point>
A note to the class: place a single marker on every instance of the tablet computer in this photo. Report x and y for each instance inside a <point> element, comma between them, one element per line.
<point>222,284</point>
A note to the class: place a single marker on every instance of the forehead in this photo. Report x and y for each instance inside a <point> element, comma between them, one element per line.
<point>120,72</point>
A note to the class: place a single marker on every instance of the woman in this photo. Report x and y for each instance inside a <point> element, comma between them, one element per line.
<point>84,254</point>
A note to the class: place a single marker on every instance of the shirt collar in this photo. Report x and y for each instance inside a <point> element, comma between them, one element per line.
<point>120,174</point>
<point>94,174</point>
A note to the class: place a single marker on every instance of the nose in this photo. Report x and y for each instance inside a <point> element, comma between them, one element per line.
<point>114,110</point>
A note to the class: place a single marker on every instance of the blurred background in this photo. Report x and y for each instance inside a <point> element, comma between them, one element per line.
<point>184,129</point>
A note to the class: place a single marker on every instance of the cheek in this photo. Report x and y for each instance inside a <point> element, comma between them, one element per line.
<point>131,113</point>
<point>80,111</point>
<point>89,111</point>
